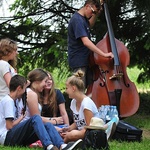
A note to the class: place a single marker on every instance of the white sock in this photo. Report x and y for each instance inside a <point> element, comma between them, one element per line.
<point>49,146</point>
<point>63,146</point>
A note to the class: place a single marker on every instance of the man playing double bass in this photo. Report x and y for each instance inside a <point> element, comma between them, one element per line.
<point>79,42</point>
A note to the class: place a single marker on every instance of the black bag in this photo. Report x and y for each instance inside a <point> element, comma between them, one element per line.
<point>95,140</point>
<point>127,132</point>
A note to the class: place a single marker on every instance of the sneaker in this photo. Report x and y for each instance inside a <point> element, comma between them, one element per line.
<point>73,145</point>
<point>110,130</point>
<point>53,148</point>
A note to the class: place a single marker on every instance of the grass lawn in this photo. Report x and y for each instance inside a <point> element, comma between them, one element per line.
<point>140,121</point>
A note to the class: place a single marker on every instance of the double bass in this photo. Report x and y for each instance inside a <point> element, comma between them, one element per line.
<point>112,85</point>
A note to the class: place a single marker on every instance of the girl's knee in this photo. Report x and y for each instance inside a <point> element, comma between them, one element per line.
<point>36,118</point>
<point>49,125</point>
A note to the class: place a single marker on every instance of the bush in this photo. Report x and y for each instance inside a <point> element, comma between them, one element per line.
<point>144,107</point>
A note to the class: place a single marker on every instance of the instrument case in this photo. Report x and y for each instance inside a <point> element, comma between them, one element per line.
<point>127,132</point>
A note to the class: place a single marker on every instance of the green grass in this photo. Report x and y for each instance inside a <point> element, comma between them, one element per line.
<point>17,148</point>
<point>144,145</point>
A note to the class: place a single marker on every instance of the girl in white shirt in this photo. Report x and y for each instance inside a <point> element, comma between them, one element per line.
<point>83,109</point>
<point>82,106</point>
<point>8,53</point>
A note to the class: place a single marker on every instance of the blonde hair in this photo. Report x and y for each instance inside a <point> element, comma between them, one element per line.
<point>7,46</point>
<point>77,80</point>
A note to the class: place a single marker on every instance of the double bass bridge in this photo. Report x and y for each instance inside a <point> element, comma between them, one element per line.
<point>116,76</point>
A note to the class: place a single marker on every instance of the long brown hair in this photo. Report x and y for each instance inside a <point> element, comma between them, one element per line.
<point>52,99</point>
<point>37,74</point>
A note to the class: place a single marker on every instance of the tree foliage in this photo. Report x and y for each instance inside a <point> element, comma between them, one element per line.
<point>40,28</point>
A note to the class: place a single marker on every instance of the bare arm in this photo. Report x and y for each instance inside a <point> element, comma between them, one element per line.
<point>63,113</point>
<point>70,128</point>
<point>11,123</point>
<point>88,115</point>
<point>32,102</point>
<point>90,45</point>
<point>72,135</point>
<point>53,120</point>
<point>33,105</point>
<point>92,20</point>
<point>7,78</point>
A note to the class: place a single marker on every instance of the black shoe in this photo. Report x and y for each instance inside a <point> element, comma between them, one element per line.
<point>73,145</point>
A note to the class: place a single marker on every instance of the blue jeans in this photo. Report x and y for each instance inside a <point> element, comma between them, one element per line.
<point>31,130</point>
